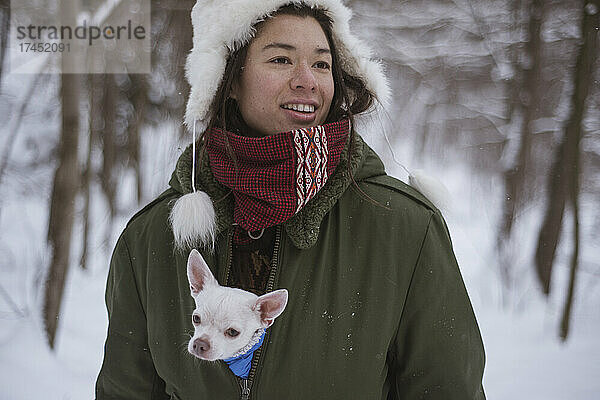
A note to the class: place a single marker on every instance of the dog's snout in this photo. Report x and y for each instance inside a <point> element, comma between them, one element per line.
<point>200,346</point>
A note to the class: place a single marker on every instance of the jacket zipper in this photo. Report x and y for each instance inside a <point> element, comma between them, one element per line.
<point>246,384</point>
<point>229,256</point>
<point>245,389</point>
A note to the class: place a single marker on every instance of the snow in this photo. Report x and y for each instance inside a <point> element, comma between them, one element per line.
<point>31,371</point>
<point>525,357</point>
<point>526,360</point>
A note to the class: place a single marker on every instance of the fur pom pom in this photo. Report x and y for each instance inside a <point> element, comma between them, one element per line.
<point>431,188</point>
<point>193,220</point>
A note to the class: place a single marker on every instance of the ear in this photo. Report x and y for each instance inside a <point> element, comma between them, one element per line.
<point>199,274</point>
<point>270,306</point>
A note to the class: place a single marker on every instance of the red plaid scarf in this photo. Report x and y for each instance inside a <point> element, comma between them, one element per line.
<point>276,175</point>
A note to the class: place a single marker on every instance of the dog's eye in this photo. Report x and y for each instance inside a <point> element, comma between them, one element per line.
<point>231,332</point>
<point>196,319</point>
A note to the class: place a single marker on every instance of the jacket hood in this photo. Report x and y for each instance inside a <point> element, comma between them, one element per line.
<point>303,227</point>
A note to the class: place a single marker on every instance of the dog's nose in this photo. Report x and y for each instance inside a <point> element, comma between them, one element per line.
<point>200,346</point>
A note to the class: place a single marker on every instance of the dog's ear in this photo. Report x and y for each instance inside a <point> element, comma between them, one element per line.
<point>270,306</point>
<point>198,273</point>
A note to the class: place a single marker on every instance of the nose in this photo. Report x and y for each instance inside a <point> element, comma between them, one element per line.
<point>303,78</point>
<point>200,346</point>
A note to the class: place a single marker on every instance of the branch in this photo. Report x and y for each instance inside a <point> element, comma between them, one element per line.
<point>10,302</point>
<point>16,122</point>
<point>484,34</point>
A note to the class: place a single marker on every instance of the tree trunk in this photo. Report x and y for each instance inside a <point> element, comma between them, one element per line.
<point>183,36</point>
<point>564,325</point>
<point>514,111</point>
<point>523,100</point>
<point>64,191</point>
<point>584,73</point>
<point>138,100</point>
<point>109,150</point>
<point>552,224</point>
<point>566,164</point>
<point>62,208</point>
<point>516,179</point>
<point>92,82</point>
<point>4,32</point>
<point>177,33</point>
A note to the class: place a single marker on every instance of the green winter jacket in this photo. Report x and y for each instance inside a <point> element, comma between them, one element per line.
<point>377,306</point>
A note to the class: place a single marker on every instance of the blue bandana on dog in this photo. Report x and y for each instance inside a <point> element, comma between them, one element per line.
<point>241,362</point>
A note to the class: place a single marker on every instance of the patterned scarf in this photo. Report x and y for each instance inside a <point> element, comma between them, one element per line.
<point>274,177</point>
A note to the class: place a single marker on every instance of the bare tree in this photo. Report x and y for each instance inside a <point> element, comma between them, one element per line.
<point>137,96</point>
<point>526,93</point>
<point>4,29</point>
<point>108,140</point>
<point>64,191</point>
<point>172,44</point>
<point>93,84</point>
<point>568,168</point>
<point>564,177</point>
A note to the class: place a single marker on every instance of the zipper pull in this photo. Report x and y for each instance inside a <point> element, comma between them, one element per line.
<point>245,389</point>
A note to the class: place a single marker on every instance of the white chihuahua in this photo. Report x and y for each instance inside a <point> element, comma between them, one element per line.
<point>227,321</point>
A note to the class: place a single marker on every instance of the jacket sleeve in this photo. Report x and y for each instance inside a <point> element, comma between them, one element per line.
<point>438,351</point>
<point>127,370</point>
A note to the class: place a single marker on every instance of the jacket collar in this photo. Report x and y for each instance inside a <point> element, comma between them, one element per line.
<point>303,227</point>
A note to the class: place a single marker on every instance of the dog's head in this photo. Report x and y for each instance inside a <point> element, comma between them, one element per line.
<point>225,319</point>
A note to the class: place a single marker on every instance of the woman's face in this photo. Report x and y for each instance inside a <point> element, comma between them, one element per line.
<point>287,81</point>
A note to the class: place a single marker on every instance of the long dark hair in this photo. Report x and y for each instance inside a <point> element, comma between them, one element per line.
<point>350,97</point>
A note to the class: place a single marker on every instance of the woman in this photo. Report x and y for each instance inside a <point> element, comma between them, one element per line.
<point>283,193</point>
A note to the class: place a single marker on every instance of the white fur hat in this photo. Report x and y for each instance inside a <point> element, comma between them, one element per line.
<point>221,27</point>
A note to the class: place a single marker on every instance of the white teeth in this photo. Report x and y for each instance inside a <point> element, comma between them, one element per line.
<point>300,107</point>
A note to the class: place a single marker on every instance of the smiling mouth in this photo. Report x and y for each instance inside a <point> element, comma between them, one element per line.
<point>303,108</point>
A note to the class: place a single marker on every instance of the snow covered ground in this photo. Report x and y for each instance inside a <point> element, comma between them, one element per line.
<point>525,358</point>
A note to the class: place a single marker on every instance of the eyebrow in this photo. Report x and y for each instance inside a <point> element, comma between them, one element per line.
<point>286,46</point>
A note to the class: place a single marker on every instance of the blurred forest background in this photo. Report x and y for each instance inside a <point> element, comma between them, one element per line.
<point>508,88</point>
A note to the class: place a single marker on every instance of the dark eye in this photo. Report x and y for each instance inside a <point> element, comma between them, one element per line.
<point>280,60</point>
<point>196,319</point>
<point>231,332</point>
<point>322,65</point>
